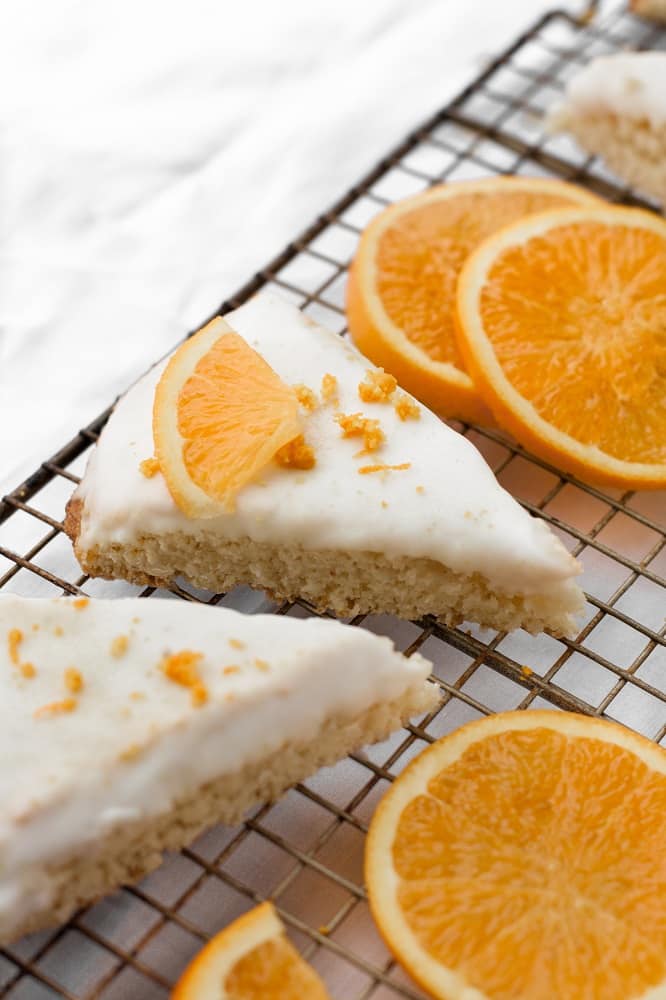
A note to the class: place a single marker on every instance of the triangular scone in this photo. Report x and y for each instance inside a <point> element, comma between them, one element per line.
<point>418,526</point>
<point>616,108</point>
<point>128,726</point>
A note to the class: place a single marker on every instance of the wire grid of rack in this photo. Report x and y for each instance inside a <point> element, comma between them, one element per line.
<point>305,852</point>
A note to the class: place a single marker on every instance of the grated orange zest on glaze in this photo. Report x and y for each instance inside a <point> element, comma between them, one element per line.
<point>28,670</point>
<point>119,646</point>
<point>14,640</point>
<point>231,669</point>
<point>406,408</point>
<point>262,665</point>
<point>73,680</point>
<point>356,425</point>
<point>55,708</point>
<point>367,469</point>
<point>296,454</point>
<point>236,643</point>
<point>329,388</point>
<point>306,397</point>
<point>80,603</point>
<point>181,668</point>
<point>149,467</point>
<point>377,387</point>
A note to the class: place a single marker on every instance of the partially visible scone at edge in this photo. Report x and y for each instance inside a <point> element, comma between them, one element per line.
<point>616,109</point>
<point>129,726</point>
<point>653,9</point>
<point>399,513</point>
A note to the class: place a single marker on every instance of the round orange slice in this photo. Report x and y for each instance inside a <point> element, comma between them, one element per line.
<point>220,415</point>
<point>522,858</point>
<point>252,959</point>
<point>562,324</point>
<point>402,284</point>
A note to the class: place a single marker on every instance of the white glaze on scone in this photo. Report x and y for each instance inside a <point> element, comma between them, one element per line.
<point>631,84</point>
<point>135,743</point>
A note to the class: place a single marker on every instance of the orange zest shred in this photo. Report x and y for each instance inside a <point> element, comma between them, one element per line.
<point>329,388</point>
<point>231,669</point>
<point>377,387</point>
<point>149,467</point>
<point>58,630</point>
<point>28,670</point>
<point>356,425</point>
<point>406,408</point>
<point>296,454</point>
<point>80,603</point>
<point>420,489</point>
<point>236,643</point>
<point>119,646</point>
<point>35,627</point>
<point>181,668</point>
<point>262,665</point>
<point>131,752</point>
<point>55,708</point>
<point>306,397</point>
<point>73,680</point>
<point>14,640</point>
<point>366,469</point>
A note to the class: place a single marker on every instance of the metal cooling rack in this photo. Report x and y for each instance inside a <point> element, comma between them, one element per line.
<point>305,852</point>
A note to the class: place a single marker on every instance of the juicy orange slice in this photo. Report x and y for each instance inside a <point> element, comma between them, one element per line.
<point>563,326</point>
<point>252,959</point>
<point>522,858</point>
<point>220,416</point>
<point>402,284</point>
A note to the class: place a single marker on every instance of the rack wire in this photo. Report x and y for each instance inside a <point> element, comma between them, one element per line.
<point>305,852</point>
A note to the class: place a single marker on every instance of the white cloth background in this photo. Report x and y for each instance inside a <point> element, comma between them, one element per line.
<point>155,154</point>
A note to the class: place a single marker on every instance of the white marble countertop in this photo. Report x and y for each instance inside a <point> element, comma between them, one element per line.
<point>156,154</point>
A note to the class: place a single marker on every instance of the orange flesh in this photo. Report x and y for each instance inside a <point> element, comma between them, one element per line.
<point>420,255</point>
<point>234,414</point>
<point>514,874</point>
<point>577,320</point>
<point>273,969</point>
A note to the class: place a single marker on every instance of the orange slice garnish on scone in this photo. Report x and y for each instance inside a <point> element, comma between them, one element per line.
<point>522,858</point>
<point>252,959</point>
<point>402,284</point>
<point>220,416</point>
<point>562,324</point>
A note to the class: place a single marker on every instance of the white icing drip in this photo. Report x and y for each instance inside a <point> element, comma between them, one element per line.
<point>64,782</point>
<point>628,83</point>
<point>462,517</point>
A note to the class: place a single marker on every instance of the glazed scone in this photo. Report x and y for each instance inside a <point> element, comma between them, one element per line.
<point>418,527</point>
<point>131,725</point>
<point>653,9</point>
<point>616,109</point>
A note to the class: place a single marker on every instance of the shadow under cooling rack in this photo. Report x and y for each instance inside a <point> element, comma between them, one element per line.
<point>305,852</point>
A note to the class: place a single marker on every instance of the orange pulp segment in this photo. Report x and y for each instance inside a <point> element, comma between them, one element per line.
<point>562,323</point>
<point>521,858</point>
<point>219,417</point>
<point>402,284</point>
<point>252,959</point>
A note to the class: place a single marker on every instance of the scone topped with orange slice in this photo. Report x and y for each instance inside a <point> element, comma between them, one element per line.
<point>269,452</point>
<point>402,285</point>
